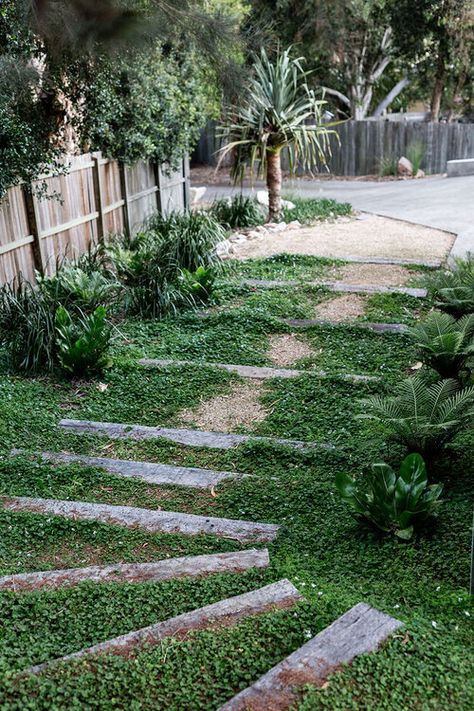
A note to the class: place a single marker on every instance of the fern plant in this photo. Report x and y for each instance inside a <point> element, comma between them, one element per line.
<point>423,417</point>
<point>453,290</point>
<point>73,286</point>
<point>446,345</point>
<point>392,502</point>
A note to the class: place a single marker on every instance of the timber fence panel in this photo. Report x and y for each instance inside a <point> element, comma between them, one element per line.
<point>365,144</point>
<point>62,215</point>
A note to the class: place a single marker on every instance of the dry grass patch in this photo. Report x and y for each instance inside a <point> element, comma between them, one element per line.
<point>342,309</point>
<point>286,348</point>
<point>241,407</point>
<point>373,274</point>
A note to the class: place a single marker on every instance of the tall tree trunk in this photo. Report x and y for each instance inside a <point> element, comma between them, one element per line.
<point>438,87</point>
<point>274,184</point>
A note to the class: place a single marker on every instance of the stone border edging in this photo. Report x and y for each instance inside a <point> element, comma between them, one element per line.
<point>279,595</point>
<point>145,519</point>
<point>145,471</point>
<point>167,569</point>
<point>360,630</point>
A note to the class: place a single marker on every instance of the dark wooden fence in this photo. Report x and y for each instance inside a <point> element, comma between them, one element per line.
<point>95,198</point>
<point>363,145</point>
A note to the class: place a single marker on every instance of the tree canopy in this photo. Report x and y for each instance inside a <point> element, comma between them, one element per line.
<point>133,78</point>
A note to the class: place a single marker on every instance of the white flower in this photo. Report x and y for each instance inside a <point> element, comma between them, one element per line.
<point>395,607</point>
<point>468,614</point>
<point>438,588</point>
<point>308,634</point>
<point>434,624</point>
<point>320,593</point>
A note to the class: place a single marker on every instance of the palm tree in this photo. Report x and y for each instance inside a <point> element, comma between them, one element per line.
<point>278,110</point>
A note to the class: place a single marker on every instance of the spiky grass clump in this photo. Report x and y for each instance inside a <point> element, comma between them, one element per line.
<point>237,211</point>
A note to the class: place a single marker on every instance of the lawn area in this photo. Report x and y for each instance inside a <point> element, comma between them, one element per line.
<point>333,561</point>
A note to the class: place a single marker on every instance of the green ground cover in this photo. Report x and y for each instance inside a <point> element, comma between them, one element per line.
<point>321,549</point>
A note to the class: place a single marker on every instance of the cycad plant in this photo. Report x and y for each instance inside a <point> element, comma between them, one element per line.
<point>446,345</point>
<point>453,289</point>
<point>278,111</point>
<point>423,417</point>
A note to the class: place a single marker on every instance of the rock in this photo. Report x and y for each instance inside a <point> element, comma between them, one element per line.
<point>405,167</point>
<point>293,225</point>
<point>261,228</point>
<point>277,227</point>
<point>238,238</point>
<point>254,235</point>
<point>223,248</point>
<point>262,198</point>
<point>420,173</point>
<point>197,194</point>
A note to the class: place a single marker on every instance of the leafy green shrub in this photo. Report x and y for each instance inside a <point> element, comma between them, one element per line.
<point>200,283</point>
<point>310,210</point>
<point>83,341</point>
<point>416,154</point>
<point>453,289</point>
<point>27,325</point>
<point>390,502</point>
<point>73,286</point>
<point>423,417</point>
<point>446,345</point>
<point>237,211</point>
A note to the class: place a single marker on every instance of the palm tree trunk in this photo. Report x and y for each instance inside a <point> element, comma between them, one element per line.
<point>274,184</point>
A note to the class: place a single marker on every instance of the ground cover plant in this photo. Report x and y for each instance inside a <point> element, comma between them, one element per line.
<point>308,211</point>
<point>422,581</point>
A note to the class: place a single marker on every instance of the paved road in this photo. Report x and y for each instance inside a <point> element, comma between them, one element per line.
<point>442,203</point>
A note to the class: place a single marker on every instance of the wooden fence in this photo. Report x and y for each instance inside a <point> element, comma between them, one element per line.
<point>363,145</point>
<point>95,198</point>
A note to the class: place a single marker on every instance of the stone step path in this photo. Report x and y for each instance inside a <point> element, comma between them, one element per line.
<point>360,630</point>
<point>192,438</point>
<point>251,371</point>
<point>145,471</point>
<point>357,259</point>
<point>279,595</point>
<point>340,286</point>
<point>168,569</point>
<point>399,328</point>
<point>146,519</point>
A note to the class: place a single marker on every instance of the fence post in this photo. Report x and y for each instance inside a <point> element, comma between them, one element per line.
<point>186,183</point>
<point>156,170</point>
<point>98,196</point>
<point>125,197</point>
<point>33,228</point>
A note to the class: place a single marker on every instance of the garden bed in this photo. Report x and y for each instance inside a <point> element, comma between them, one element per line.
<point>333,561</point>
